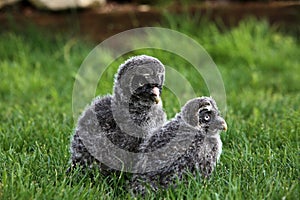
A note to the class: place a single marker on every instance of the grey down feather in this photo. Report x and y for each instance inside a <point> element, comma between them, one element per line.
<point>190,142</point>
<point>112,127</point>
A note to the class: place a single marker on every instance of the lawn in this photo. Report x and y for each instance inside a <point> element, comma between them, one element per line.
<point>260,67</point>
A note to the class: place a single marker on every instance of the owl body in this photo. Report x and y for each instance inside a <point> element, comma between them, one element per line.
<point>192,142</point>
<point>121,120</point>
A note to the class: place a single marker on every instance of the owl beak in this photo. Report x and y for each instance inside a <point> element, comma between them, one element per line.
<point>224,125</point>
<point>221,124</point>
<point>156,93</point>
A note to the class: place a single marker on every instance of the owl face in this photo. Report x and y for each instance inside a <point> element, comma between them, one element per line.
<point>140,79</point>
<point>145,87</point>
<point>202,113</point>
<point>210,120</point>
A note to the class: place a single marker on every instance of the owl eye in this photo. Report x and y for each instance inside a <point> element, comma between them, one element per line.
<point>146,76</point>
<point>207,117</point>
<point>138,81</point>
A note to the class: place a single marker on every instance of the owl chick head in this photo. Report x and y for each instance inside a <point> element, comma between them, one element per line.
<point>203,114</point>
<point>140,76</point>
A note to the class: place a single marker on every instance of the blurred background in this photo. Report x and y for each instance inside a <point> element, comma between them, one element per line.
<point>99,19</point>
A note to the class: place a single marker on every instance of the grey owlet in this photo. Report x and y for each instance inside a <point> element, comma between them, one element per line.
<point>190,142</point>
<point>117,123</point>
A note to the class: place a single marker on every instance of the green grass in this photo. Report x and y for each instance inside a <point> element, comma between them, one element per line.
<point>260,67</point>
